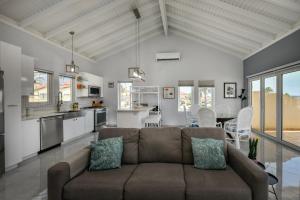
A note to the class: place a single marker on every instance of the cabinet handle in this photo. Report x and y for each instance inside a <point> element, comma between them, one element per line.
<point>12,105</point>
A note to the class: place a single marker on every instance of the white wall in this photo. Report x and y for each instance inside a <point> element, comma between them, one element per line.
<point>198,62</point>
<point>47,56</point>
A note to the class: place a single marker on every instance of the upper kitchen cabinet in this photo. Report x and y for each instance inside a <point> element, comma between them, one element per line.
<point>27,74</point>
<point>89,85</point>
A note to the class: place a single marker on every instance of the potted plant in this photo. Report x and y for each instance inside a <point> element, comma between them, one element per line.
<point>252,148</point>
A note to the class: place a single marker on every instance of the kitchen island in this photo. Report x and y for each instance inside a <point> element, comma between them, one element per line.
<point>132,118</point>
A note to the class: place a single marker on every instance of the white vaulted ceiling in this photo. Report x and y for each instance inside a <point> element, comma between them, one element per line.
<point>105,27</point>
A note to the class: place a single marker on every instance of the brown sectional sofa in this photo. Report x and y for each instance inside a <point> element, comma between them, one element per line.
<point>157,164</point>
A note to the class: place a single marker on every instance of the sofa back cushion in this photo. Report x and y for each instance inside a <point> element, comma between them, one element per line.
<point>160,145</point>
<point>130,142</point>
<point>187,133</point>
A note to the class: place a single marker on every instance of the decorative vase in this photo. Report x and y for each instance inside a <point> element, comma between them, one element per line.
<point>253,148</point>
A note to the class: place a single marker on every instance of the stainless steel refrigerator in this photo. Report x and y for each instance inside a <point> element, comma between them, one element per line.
<point>2,135</point>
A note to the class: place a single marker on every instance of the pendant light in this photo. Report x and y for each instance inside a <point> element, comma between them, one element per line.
<point>136,73</point>
<point>72,68</point>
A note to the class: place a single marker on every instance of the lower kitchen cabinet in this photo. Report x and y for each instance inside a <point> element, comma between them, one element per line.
<point>31,137</point>
<point>89,121</point>
<point>73,128</point>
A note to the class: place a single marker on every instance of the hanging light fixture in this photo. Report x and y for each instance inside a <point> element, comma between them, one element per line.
<point>136,73</point>
<point>72,68</point>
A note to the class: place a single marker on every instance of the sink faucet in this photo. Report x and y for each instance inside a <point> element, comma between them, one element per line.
<point>59,101</point>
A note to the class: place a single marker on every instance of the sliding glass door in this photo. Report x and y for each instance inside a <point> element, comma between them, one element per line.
<point>270,105</point>
<point>275,98</point>
<point>291,107</point>
<point>255,102</point>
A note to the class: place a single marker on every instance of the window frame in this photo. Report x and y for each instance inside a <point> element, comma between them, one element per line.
<point>49,86</point>
<point>72,86</point>
<point>213,97</point>
<point>278,72</point>
<point>178,97</point>
<point>119,97</point>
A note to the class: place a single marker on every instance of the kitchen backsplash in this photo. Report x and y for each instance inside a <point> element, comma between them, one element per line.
<point>29,110</point>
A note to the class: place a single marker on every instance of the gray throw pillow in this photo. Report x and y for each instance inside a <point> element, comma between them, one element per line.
<point>106,154</point>
<point>208,153</point>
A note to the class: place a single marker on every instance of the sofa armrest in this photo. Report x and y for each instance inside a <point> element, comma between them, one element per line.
<point>252,174</point>
<point>63,172</point>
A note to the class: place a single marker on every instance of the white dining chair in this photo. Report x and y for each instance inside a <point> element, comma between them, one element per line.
<point>208,118</point>
<point>191,115</point>
<point>240,127</point>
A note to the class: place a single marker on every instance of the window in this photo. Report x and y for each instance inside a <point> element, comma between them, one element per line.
<point>185,97</point>
<point>206,97</point>
<point>270,105</point>
<point>291,107</point>
<point>124,95</point>
<point>66,87</point>
<point>41,88</point>
<point>206,94</point>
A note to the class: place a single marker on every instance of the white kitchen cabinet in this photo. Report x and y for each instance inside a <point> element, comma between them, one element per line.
<point>27,73</point>
<point>31,137</point>
<point>10,63</point>
<point>73,128</point>
<point>89,121</point>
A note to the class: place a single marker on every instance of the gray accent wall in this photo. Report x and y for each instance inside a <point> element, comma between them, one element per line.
<point>286,50</point>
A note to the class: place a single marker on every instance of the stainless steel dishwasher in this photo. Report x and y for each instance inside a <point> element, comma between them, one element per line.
<point>51,131</point>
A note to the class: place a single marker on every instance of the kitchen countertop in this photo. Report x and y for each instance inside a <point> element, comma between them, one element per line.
<point>141,109</point>
<point>54,113</point>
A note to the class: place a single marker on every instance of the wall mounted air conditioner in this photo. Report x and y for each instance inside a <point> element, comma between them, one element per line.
<point>171,56</point>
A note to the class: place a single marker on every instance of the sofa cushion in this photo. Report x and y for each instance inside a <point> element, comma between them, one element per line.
<point>104,185</point>
<point>106,154</point>
<point>187,133</point>
<point>208,153</point>
<point>160,145</point>
<point>156,181</point>
<point>215,184</point>
<point>130,142</point>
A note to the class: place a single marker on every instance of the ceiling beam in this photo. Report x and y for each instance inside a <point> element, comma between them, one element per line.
<point>210,44</point>
<point>163,13</point>
<point>291,5</point>
<point>97,32</point>
<point>217,32</point>
<point>82,19</point>
<point>119,42</point>
<point>223,23</point>
<point>210,38</point>
<point>47,11</point>
<point>10,22</point>
<point>251,15</point>
<point>131,44</point>
<point>125,32</point>
<point>230,16</point>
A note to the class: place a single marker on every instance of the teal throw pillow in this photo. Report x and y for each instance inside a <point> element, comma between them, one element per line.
<point>106,154</point>
<point>208,153</point>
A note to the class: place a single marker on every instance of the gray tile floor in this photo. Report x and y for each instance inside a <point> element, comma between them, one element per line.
<point>30,179</point>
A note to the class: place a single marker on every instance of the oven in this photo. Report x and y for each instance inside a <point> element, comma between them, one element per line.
<point>94,91</point>
<point>100,117</point>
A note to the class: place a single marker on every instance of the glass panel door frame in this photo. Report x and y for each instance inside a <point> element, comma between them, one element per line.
<point>279,101</point>
<point>250,101</point>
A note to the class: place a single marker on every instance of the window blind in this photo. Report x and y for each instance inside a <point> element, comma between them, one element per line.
<point>186,83</point>
<point>206,83</point>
